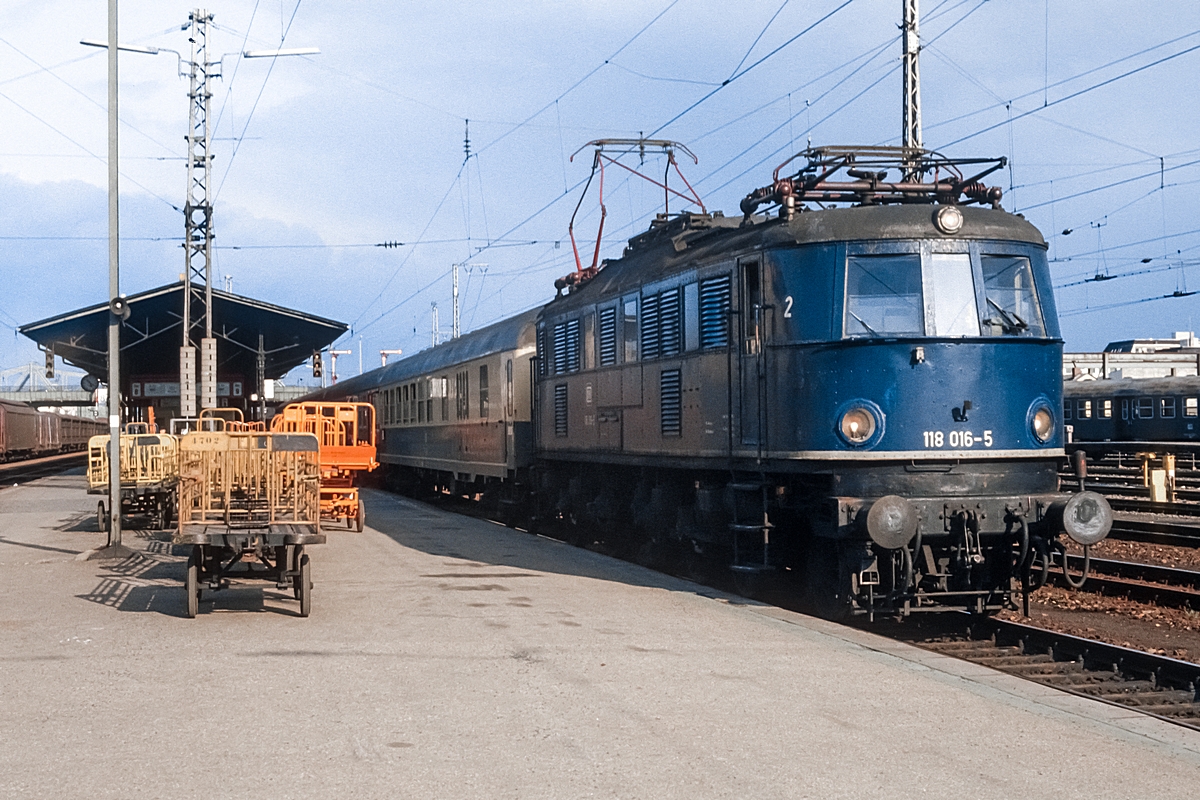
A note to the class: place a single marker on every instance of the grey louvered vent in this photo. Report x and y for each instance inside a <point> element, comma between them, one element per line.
<point>714,311</point>
<point>671,396</point>
<point>670,322</point>
<point>543,356</point>
<point>650,337</point>
<point>608,337</point>
<point>560,409</point>
<point>566,347</point>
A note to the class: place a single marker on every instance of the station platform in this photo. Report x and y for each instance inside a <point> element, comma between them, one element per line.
<point>449,657</point>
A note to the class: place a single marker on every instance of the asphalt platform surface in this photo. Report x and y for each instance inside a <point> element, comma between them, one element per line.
<point>448,657</point>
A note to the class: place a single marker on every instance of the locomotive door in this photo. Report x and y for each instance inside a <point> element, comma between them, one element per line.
<point>751,369</point>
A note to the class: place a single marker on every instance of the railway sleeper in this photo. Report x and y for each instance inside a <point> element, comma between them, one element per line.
<point>1178,710</point>
<point>1039,668</point>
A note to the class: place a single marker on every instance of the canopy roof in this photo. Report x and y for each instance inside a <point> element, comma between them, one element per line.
<point>151,336</point>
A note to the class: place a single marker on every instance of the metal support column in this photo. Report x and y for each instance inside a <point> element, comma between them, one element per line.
<point>198,233</point>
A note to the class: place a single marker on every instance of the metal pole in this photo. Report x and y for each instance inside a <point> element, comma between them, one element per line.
<point>454,326</point>
<point>114,548</point>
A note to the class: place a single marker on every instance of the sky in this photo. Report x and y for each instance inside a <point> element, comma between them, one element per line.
<point>320,160</point>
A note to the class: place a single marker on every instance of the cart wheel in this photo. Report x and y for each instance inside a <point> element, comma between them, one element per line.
<point>304,583</point>
<point>192,584</point>
<point>349,522</point>
<point>361,518</point>
<point>101,517</point>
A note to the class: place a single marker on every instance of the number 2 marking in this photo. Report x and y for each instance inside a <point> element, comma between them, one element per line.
<point>787,309</point>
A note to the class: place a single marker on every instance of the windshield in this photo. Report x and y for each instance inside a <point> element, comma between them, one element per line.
<point>1011,298</point>
<point>941,294</point>
<point>883,296</point>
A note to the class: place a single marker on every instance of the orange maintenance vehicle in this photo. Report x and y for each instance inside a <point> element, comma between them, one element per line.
<point>346,436</point>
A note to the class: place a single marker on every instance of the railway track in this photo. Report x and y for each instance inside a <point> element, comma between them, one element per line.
<point>17,472</point>
<point>1151,684</point>
<point>1144,583</point>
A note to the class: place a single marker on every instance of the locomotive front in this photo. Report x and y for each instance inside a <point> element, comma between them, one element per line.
<point>909,363</point>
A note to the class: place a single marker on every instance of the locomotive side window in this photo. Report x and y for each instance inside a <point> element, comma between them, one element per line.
<point>953,288</point>
<point>483,392</point>
<point>1189,406</point>
<point>1106,409</point>
<point>608,337</point>
<point>1012,304</point>
<point>1144,409</point>
<point>1084,409</point>
<point>1166,407</point>
<point>589,341</point>
<point>630,329</point>
<point>883,296</point>
<point>751,306</point>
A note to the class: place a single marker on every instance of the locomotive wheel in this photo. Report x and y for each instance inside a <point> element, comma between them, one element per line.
<point>361,519</point>
<point>101,517</point>
<point>192,583</point>
<point>304,586</point>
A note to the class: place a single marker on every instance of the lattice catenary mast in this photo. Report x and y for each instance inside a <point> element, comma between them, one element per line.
<point>911,140</point>
<point>198,233</point>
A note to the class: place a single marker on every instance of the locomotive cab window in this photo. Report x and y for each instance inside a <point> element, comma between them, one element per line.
<point>883,296</point>
<point>751,306</point>
<point>1012,303</point>
<point>953,289</point>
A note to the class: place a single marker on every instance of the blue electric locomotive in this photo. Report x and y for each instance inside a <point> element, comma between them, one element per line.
<point>860,392</point>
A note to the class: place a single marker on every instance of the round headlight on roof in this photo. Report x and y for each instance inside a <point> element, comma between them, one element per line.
<point>948,219</point>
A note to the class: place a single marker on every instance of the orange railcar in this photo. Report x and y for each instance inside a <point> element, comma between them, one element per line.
<point>346,435</point>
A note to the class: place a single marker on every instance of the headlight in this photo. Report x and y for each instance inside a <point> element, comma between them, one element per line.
<point>1043,424</point>
<point>857,425</point>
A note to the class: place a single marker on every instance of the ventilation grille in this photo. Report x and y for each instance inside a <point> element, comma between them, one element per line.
<point>608,337</point>
<point>650,338</point>
<point>541,352</point>
<point>671,397</point>
<point>714,312</point>
<point>670,322</point>
<point>566,347</point>
<point>560,410</point>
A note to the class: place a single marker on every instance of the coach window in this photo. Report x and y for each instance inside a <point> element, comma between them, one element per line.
<point>483,392</point>
<point>1067,409</point>
<point>630,328</point>
<point>1084,410</point>
<point>429,399</point>
<point>509,399</point>
<point>1189,406</point>
<point>883,296</point>
<point>1106,409</point>
<point>1125,408</point>
<point>444,394</point>
<point>1144,408</point>
<point>1166,407</point>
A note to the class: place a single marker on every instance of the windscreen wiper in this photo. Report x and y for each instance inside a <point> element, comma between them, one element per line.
<point>863,322</point>
<point>1009,321</point>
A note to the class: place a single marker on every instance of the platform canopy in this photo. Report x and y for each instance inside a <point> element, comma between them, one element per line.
<point>152,335</point>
